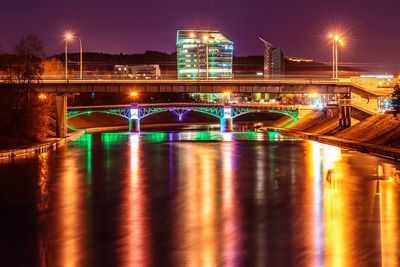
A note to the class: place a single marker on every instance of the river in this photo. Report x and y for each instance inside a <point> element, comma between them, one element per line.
<point>196,198</point>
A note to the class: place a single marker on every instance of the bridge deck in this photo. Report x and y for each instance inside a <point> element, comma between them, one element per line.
<point>187,105</point>
<point>279,86</point>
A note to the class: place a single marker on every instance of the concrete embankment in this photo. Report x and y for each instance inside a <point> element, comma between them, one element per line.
<point>380,129</point>
<point>314,121</point>
<point>379,150</point>
<point>38,148</point>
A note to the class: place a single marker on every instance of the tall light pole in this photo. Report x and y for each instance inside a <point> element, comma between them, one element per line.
<point>69,37</point>
<point>336,41</point>
<point>81,58</point>
<point>267,58</point>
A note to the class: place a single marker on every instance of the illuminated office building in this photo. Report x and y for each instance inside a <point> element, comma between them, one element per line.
<point>203,55</point>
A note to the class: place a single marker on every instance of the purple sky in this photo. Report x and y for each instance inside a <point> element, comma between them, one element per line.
<point>134,26</point>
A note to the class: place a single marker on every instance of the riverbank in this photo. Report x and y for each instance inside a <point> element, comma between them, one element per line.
<point>38,148</point>
<point>379,129</point>
<point>378,150</point>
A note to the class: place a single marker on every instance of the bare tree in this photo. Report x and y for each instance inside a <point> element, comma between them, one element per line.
<point>22,113</point>
<point>52,67</point>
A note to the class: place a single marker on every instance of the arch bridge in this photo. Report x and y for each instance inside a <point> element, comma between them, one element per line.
<point>224,112</point>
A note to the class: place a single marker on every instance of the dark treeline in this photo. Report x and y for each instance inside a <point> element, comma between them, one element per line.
<point>103,62</point>
<point>23,114</point>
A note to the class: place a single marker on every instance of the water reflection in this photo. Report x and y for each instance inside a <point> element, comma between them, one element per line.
<point>43,199</point>
<point>202,199</point>
<point>70,219</point>
<point>231,247</point>
<point>198,196</point>
<point>331,219</point>
<point>389,218</point>
<point>260,197</point>
<point>135,242</point>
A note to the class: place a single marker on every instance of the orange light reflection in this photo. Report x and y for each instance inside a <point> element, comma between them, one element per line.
<point>230,208</point>
<point>135,226</point>
<point>198,221</point>
<point>72,223</point>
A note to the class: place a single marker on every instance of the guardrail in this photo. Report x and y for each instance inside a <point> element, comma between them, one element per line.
<point>239,105</point>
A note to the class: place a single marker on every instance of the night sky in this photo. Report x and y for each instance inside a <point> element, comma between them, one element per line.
<point>372,27</point>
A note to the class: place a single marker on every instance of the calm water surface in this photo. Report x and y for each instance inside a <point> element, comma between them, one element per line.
<point>199,199</point>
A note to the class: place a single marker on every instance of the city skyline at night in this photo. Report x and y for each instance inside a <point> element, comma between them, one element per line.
<point>136,26</point>
<point>199,133</point>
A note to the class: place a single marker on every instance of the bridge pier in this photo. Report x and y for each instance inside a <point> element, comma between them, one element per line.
<point>345,112</point>
<point>134,125</point>
<point>134,120</point>
<point>61,115</point>
<point>226,125</point>
<point>226,122</point>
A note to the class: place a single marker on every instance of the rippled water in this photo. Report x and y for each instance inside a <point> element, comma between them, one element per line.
<point>199,199</point>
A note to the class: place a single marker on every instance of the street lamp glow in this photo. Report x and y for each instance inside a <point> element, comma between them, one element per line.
<point>69,37</point>
<point>337,40</point>
<point>227,95</point>
<point>133,94</point>
<point>42,96</point>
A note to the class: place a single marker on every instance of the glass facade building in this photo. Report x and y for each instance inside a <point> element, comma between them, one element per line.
<point>203,55</point>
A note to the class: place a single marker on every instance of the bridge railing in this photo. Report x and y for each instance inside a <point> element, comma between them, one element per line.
<point>167,77</point>
<point>186,105</point>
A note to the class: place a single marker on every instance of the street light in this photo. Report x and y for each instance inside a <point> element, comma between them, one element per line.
<point>68,37</point>
<point>336,41</point>
<point>228,96</point>
<point>133,95</point>
<point>42,96</point>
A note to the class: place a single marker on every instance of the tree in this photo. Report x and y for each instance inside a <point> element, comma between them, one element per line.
<point>23,114</point>
<point>52,67</point>
<point>395,100</point>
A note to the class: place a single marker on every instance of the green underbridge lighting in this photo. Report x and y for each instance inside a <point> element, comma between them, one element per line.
<point>217,112</point>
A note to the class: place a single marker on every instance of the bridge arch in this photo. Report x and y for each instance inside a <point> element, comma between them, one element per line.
<point>293,114</point>
<point>214,112</point>
<point>73,114</point>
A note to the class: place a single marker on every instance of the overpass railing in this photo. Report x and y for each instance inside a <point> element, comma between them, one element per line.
<point>113,76</point>
<point>244,105</point>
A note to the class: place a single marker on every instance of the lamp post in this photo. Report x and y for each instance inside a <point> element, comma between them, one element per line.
<point>227,96</point>
<point>336,41</point>
<point>69,37</point>
<point>133,95</point>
